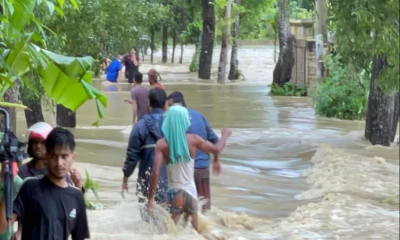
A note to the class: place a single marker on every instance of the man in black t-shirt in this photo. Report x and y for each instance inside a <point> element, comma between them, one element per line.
<point>48,207</point>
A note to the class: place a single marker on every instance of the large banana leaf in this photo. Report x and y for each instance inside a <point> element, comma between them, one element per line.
<point>67,80</point>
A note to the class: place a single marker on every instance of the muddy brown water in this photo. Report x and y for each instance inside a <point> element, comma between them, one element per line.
<point>287,174</point>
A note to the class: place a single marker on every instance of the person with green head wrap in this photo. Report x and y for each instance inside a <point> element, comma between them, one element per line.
<point>177,149</point>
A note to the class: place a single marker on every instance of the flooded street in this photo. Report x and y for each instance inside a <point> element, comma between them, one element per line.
<point>287,174</point>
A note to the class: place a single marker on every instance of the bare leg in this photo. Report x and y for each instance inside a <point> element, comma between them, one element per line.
<point>176,206</point>
<point>195,222</point>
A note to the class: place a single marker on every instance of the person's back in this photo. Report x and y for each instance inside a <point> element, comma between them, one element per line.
<point>200,126</point>
<point>178,149</point>
<point>113,70</point>
<point>143,138</point>
<point>140,94</point>
<point>140,98</point>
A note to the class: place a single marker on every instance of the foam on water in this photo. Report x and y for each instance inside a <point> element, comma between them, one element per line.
<point>348,192</point>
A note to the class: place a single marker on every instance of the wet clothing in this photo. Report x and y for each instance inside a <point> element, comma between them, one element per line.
<point>17,184</point>
<point>29,170</point>
<point>113,70</point>
<point>48,211</point>
<point>181,176</point>
<point>142,141</point>
<point>189,203</point>
<point>176,123</point>
<point>200,126</point>
<point>140,94</point>
<point>202,180</point>
<point>130,69</point>
<point>181,184</point>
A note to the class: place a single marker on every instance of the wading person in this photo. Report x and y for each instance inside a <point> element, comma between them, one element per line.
<point>140,99</point>
<point>113,70</point>
<point>47,206</point>
<point>131,64</point>
<point>142,141</point>
<point>177,150</point>
<point>201,127</point>
<point>153,79</point>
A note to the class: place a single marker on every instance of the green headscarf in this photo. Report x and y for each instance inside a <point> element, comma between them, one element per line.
<point>176,123</point>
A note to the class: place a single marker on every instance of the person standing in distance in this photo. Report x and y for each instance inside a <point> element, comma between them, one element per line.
<point>140,99</point>
<point>47,206</point>
<point>142,141</point>
<point>201,127</point>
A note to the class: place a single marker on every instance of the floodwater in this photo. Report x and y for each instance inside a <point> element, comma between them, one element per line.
<point>287,174</point>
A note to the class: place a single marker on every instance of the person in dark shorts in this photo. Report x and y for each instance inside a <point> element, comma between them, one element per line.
<point>47,206</point>
<point>177,150</point>
<point>201,127</point>
<point>140,99</point>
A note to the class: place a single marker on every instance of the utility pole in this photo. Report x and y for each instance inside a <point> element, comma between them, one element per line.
<point>321,37</point>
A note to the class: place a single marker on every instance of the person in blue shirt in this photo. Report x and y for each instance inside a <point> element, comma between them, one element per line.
<point>201,127</point>
<point>113,70</point>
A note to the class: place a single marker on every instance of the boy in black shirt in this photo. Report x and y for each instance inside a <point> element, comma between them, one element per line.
<point>48,207</point>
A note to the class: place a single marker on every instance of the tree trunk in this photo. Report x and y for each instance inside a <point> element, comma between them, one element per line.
<point>396,116</point>
<point>223,59</point>
<point>233,72</point>
<point>381,113</point>
<point>165,43</point>
<point>36,115</point>
<point>284,66</point>
<point>173,46</point>
<point>12,96</point>
<point>152,46</point>
<point>207,40</point>
<point>181,58</point>
<point>65,117</point>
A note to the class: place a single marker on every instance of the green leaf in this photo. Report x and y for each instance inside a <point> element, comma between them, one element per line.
<point>61,2</point>
<point>50,5</point>
<point>60,11</point>
<point>67,81</point>
<point>75,4</point>
<point>16,105</point>
<point>298,94</point>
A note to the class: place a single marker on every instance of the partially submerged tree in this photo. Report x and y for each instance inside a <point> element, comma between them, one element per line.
<point>207,40</point>
<point>226,28</point>
<point>284,66</point>
<point>234,69</point>
<point>365,31</point>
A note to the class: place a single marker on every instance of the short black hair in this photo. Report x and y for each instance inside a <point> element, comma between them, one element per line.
<point>177,97</point>
<point>60,137</point>
<point>157,97</point>
<point>139,77</point>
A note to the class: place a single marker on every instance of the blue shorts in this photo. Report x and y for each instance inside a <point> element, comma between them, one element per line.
<point>189,202</point>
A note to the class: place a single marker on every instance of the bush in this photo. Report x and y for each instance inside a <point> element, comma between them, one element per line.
<point>343,94</point>
<point>288,89</point>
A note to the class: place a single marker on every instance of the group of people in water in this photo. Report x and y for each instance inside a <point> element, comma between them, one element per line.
<point>113,66</point>
<point>170,142</point>
<point>173,143</point>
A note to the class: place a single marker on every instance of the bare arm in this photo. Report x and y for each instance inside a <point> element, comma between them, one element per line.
<point>3,218</point>
<point>134,115</point>
<point>158,160</point>
<point>215,149</point>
